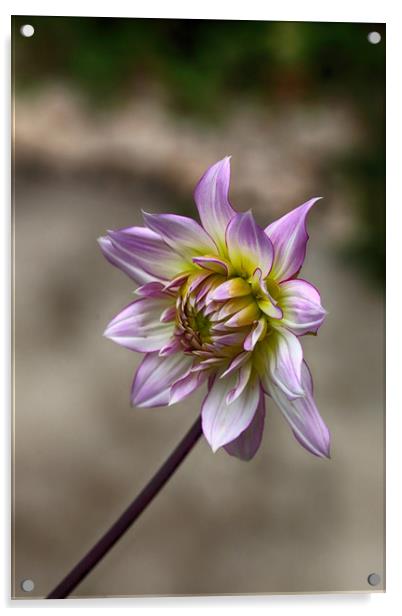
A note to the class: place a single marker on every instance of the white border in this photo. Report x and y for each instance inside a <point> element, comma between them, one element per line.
<point>308,10</point>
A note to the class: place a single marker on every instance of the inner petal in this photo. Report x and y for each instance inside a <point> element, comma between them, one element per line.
<point>235,287</point>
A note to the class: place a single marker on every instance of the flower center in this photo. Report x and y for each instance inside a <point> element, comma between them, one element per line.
<point>200,324</point>
<point>220,316</point>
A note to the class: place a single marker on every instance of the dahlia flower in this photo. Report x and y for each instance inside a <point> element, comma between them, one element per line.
<point>221,304</point>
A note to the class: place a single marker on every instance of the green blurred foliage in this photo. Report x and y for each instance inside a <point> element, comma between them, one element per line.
<point>202,67</point>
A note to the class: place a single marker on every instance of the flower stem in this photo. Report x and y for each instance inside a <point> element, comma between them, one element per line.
<point>128,517</point>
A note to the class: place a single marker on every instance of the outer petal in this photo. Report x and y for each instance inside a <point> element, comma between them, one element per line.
<point>289,237</point>
<point>238,361</point>
<point>243,378</point>
<point>145,250</point>
<point>186,385</point>
<point>304,418</point>
<point>138,326</point>
<point>182,234</point>
<point>211,197</point>
<point>279,360</point>
<point>171,347</point>
<point>301,304</point>
<point>125,262</point>
<point>222,422</point>
<point>249,247</point>
<point>155,377</point>
<point>153,289</point>
<point>246,445</point>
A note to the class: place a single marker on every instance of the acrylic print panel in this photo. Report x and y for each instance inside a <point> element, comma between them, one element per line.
<point>113,117</point>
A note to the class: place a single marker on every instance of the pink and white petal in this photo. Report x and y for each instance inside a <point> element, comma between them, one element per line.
<point>211,310</point>
<point>175,283</point>
<point>238,361</point>
<point>260,286</point>
<point>248,246</point>
<point>270,309</point>
<point>257,333</point>
<point>187,385</point>
<point>147,250</point>
<point>181,233</point>
<point>246,316</point>
<point>211,197</point>
<point>246,445</point>
<point>304,418</point>
<point>153,289</point>
<point>210,363</point>
<point>172,346</point>
<point>231,306</point>
<point>169,314</point>
<point>266,301</point>
<point>123,261</point>
<point>155,377</point>
<point>194,281</point>
<point>138,327</point>
<point>289,237</point>
<point>235,287</point>
<point>213,281</point>
<point>243,378</point>
<point>232,339</point>
<point>213,264</point>
<point>281,356</point>
<point>301,305</point>
<point>222,422</point>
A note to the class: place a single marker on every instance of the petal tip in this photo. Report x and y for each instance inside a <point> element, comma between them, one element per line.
<point>107,333</point>
<point>290,229</point>
<point>325,453</point>
<point>133,402</point>
<point>146,215</point>
<point>136,401</point>
<point>326,450</point>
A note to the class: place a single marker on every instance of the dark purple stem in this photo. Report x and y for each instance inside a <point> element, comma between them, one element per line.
<point>133,511</point>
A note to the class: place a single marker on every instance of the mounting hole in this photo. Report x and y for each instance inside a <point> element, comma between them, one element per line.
<point>374,38</point>
<point>27,30</point>
<point>374,579</point>
<point>27,585</point>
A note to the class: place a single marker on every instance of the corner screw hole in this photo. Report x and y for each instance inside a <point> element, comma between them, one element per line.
<point>27,585</point>
<point>27,30</point>
<point>374,38</point>
<point>374,579</point>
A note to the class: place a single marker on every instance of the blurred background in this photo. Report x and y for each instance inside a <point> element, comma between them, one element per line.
<point>112,116</point>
